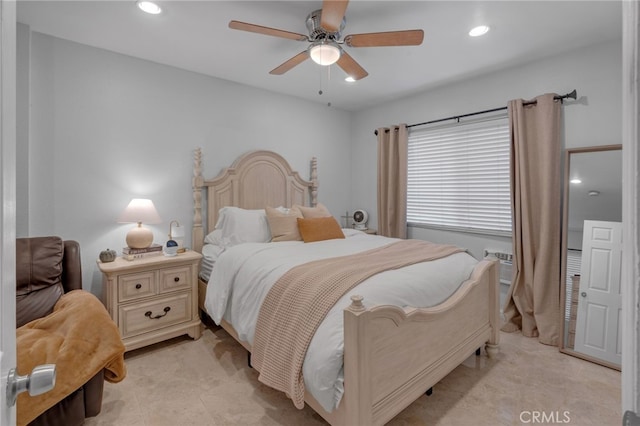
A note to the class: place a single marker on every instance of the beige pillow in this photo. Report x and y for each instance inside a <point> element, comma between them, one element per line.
<point>310,212</point>
<point>319,229</point>
<point>283,225</point>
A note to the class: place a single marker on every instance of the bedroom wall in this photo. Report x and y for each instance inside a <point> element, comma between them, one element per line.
<point>104,128</point>
<point>594,119</point>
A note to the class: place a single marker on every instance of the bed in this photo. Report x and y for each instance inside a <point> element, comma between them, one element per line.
<point>390,354</point>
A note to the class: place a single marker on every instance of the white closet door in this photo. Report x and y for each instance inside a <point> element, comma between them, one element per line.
<point>598,326</point>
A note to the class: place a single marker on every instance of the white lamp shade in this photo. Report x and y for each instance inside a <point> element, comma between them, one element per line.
<point>140,210</point>
<point>324,53</point>
<point>177,235</point>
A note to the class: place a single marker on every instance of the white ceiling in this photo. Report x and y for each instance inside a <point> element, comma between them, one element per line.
<point>599,171</point>
<point>194,35</point>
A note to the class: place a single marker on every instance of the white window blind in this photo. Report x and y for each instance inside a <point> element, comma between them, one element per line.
<point>574,263</point>
<point>458,177</point>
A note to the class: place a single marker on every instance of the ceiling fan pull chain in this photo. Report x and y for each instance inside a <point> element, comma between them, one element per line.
<point>328,81</point>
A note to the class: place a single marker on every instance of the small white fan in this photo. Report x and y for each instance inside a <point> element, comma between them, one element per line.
<point>360,218</point>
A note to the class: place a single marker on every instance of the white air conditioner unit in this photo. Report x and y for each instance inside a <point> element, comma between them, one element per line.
<point>506,264</point>
<point>506,267</point>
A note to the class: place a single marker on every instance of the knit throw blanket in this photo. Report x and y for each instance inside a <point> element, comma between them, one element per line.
<point>298,302</point>
<point>79,337</point>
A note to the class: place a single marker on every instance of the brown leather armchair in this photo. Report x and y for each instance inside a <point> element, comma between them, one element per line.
<point>47,267</point>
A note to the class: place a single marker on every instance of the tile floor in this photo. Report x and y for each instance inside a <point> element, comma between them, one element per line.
<point>207,382</point>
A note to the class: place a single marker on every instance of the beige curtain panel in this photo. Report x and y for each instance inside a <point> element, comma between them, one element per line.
<point>532,303</point>
<point>392,181</point>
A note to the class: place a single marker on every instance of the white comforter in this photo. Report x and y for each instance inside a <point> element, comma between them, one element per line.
<point>243,275</point>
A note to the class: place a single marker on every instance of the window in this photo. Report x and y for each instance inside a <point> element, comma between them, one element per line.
<point>458,177</point>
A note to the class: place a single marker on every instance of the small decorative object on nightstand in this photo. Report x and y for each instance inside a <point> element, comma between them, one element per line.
<point>107,256</point>
<point>347,218</point>
<point>171,248</point>
<point>152,299</point>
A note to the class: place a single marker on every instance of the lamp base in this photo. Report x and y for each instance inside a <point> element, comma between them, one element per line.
<point>139,237</point>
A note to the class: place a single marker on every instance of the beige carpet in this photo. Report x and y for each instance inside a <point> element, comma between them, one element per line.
<point>208,382</point>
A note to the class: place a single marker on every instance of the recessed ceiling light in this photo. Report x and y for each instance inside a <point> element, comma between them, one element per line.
<point>149,7</point>
<point>350,79</point>
<point>576,180</point>
<point>479,30</point>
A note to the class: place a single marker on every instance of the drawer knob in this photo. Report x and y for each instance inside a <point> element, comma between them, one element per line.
<point>149,313</point>
<point>176,279</point>
<point>138,286</point>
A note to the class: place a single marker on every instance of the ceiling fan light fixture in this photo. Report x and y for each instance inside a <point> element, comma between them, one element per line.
<point>350,79</point>
<point>149,7</point>
<point>324,53</point>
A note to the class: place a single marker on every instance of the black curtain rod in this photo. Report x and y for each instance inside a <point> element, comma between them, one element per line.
<point>573,95</point>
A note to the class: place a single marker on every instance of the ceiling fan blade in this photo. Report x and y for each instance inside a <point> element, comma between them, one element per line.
<point>332,14</point>
<point>243,26</point>
<point>287,65</point>
<point>391,38</point>
<point>351,67</point>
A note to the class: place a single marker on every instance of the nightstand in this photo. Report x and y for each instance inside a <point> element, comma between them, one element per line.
<point>154,298</point>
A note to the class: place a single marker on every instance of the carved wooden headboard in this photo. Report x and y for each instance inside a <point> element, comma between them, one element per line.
<point>255,180</point>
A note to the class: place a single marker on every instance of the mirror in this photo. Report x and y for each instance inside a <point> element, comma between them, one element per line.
<point>591,254</point>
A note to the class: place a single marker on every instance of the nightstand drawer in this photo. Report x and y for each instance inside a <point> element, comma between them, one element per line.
<point>172,279</point>
<point>136,286</point>
<point>143,317</point>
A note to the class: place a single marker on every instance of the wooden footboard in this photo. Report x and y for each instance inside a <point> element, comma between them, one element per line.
<point>392,355</point>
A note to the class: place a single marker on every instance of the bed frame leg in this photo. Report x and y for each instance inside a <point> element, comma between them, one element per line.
<point>478,352</point>
<point>249,359</point>
<point>492,350</point>
<point>429,391</point>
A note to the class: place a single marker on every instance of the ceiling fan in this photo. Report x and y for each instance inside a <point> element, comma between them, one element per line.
<point>325,35</point>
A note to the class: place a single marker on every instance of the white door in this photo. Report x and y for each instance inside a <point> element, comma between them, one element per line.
<point>7,211</point>
<point>598,325</point>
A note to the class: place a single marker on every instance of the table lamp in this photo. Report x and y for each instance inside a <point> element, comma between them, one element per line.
<point>176,233</point>
<point>140,210</point>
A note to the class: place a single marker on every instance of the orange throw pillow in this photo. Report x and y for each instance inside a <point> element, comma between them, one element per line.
<point>319,229</point>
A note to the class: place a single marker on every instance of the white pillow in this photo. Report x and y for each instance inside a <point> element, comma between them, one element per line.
<point>350,232</point>
<point>236,226</point>
<point>212,251</point>
<point>214,238</point>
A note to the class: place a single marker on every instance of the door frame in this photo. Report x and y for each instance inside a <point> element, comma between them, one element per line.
<point>630,207</point>
<point>8,209</point>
